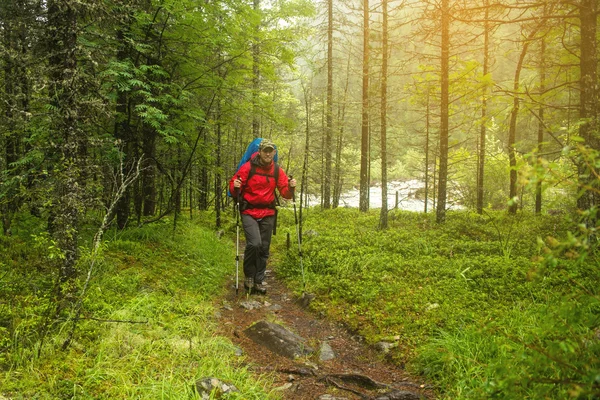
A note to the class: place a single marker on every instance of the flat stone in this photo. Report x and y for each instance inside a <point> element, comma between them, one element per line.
<point>206,386</point>
<point>326,352</point>
<point>274,307</point>
<point>250,305</point>
<point>306,299</point>
<point>284,387</point>
<point>278,339</point>
<point>238,351</point>
<point>385,347</point>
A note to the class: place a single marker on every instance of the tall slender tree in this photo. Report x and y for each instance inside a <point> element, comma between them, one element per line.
<point>329,109</point>
<point>444,104</point>
<point>484,106</point>
<point>70,143</point>
<point>383,217</point>
<point>256,72</point>
<point>540,137</point>
<point>364,142</point>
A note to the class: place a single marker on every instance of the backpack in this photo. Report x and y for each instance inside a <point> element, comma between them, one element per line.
<point>250,150</point>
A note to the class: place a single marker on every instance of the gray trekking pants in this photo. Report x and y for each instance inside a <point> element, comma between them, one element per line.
<point>258,240</point>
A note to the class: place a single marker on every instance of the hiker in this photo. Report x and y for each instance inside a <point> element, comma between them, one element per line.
<point>255,184</point>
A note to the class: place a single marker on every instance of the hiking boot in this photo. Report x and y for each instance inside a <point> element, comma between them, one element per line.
<point>260,288</point>
<point>249,284</point>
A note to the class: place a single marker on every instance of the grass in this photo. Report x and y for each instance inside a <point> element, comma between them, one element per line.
<point>153,332</point>
<point>474,311</point>
<point>485,307</point>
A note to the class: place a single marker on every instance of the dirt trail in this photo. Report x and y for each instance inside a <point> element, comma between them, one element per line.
<point>352,356</point>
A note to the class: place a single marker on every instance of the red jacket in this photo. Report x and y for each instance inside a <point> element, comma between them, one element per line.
<point>259,192</point>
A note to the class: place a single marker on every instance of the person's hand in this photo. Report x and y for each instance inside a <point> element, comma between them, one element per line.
<point>237,183</point>
<point>292,183</point>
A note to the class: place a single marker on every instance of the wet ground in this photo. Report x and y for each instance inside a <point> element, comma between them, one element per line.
<point>354,372</point>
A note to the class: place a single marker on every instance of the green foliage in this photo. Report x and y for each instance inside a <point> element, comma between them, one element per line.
<point>473,308</point>
<point>148,327</point>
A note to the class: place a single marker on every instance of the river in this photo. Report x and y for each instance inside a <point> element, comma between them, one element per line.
<point>406,196</point>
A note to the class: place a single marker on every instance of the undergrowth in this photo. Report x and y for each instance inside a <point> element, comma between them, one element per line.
<point>473,303</point>
<point>148,327</point>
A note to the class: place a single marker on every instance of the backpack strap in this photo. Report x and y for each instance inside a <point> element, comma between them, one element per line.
<point>253,172</point>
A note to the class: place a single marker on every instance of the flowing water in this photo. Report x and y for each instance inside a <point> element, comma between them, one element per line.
<point>406,196</point>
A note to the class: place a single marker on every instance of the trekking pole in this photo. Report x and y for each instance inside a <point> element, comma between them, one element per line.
<point>237,242</point>
<point>298,235</point>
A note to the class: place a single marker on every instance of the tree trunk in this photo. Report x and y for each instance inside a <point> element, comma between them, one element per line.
<point>304,186</point>
<point>329,129</point>
<point>218,177</point>
<point>322,177</point>
<point>383,218</point>
<point>256,76</point>
<point>444,131</point>
<point>540,138</point>
<point>337,189</point>
<point>482,128</point>
<point>203,182</point>
<point>364,148</point>
<point>122,131</point>
<point>138,194</point>
<point>149,172</point>
<point>68,167</point>
<point>427,128</point>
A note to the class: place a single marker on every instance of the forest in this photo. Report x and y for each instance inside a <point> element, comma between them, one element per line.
<point>122,122</point>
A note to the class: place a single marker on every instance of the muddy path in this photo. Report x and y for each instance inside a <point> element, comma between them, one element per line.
<point>353,373</point>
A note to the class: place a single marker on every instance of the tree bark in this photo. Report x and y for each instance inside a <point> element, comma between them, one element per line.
<point>338,182</point>
<point>329,112</point>
<point>364,147</point>
<point>444,123</point>
<point>383,218</point>
<point>427,129</point>
<point>540,138</point>
<point>304,186</point>
<point>218,177</point>
<point>149,172</point>
<point>68,169</point>
<point>203,182</point>
<point>482,128</point>
<point>122,130</point>
<point>256,76</point>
